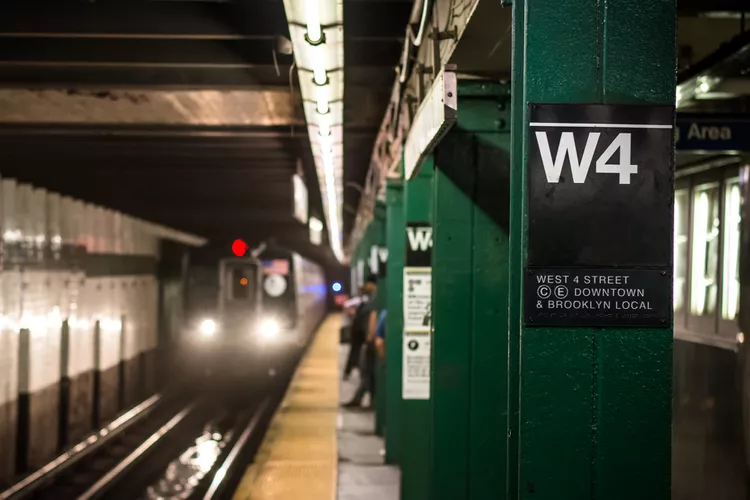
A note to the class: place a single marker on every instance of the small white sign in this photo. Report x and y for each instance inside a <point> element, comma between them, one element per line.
<point>274,285</point>
<point>416,369</point>
<point>300,199</point>
<point>436,114</point>
<point>361,273</point>
<point>417,299</point>
<point>374,262</point>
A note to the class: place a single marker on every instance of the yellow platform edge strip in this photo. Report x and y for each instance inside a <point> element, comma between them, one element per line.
<point>298,458</point>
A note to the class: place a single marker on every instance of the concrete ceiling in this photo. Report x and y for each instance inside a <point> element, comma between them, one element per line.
<point>183,112</point>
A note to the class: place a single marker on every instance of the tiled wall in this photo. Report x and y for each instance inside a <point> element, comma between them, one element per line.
<point>45,280</point>
<point>78,304</point>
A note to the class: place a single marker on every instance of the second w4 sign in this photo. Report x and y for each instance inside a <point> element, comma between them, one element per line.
<point>600,193</point>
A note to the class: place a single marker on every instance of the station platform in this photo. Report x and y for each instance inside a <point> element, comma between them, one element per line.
<point>314,449</point>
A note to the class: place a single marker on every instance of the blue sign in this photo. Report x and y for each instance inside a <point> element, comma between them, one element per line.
<point>712,132</point>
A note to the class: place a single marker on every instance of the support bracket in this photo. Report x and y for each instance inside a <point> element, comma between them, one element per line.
<point>436,115</point>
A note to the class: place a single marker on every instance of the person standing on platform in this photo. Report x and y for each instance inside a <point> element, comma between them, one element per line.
<point>367,367</point>
<point>380,334</point>
<point>349,310</point>
<point>360,325</point>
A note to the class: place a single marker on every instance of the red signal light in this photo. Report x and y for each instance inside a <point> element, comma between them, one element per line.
<point>239,248</point>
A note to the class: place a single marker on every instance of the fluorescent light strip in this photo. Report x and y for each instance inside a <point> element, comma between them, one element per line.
<point>312,15</point>
<point>319,75</point>
<point>319,50</point>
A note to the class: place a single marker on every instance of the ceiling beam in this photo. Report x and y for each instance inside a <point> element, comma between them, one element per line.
<point>263,17</point>
<point>249,77</point>
<point>259,19</point>
<point>686,7</point>
<point>168,53</point>
<point>150,107</point>
<point>185,131</point>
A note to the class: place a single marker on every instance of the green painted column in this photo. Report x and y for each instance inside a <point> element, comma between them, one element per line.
<point>377,242</point>
<point>415,413</point>
<point>361,258</point>
<point>396,240</point>
<point>364,248</point>
<point>469,301</point>
<point>591,406</point>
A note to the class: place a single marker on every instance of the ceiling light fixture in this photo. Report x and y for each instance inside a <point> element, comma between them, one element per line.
<point>319,76</point>
<point>317,35</point>
<point>326,145</point>
<point>314,35</point>
<point>323,107</point>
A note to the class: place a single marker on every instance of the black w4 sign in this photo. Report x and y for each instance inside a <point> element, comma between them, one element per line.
<point>600,185</point>
<point>580,165</point>
<point>418,244</point>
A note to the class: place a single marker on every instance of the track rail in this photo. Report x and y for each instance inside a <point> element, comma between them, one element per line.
<point>86,448</point>
<point>98,489</point>
<point>122,460</point>
<point>219,483</point>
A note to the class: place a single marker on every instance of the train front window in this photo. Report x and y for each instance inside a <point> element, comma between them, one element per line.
<point>681,228</point>
<point>730,289</point>
<point>705,249</point>
<point>242,284</point>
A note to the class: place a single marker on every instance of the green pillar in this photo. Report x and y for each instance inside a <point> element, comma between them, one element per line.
<point>364,247</point>
<point>377,242</point>
<point>591,406</point>
<point>396,240</point>
<point>360,259</point>
<point>415,413</point>
<point>469,301</point>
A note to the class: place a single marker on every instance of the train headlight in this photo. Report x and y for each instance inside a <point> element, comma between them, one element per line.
<point>269,329</point>
<point>208,327</point>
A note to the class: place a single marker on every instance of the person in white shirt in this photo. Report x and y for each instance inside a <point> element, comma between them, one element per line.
<point>349,309</point>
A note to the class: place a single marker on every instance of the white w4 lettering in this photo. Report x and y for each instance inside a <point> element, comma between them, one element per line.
<point>579,167</point>
<point>421,239</point>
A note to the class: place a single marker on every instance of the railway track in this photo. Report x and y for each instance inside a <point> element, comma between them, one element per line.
<point>166,447</point>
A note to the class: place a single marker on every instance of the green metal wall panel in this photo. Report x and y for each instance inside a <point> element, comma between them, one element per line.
<point>635,369</point>
<point>488,411</point>
<point>396,240</point>
<point>470,263</point>
<point>415,414</point>
<point>451,311</point>
<point>593,405</point>
<point>378,240</point>
<point>516,229</point>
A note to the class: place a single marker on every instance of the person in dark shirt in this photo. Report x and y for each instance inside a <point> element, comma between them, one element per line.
<point>367,367</point>
<point>360,325</point>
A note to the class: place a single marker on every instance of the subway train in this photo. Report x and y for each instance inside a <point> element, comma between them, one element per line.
<point>711,403</point>
<point>250,313</point>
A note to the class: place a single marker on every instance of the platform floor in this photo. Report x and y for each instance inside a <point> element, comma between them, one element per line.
<point>362,472</point>
<point>314,450</point>
<point>298,457</point>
